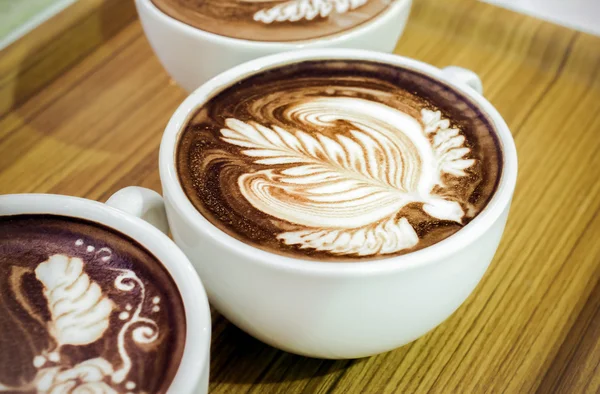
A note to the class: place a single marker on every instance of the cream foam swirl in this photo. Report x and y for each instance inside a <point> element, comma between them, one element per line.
<point>345,190</point>
<point>297,10</point>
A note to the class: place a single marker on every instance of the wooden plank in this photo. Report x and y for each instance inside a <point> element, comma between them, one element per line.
<point>43,54</point>
<point>577,363</point>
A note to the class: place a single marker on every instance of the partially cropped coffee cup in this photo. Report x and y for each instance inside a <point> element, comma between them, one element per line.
<point>96,300</point>
<point>338,203</point>
<point>196,40</point>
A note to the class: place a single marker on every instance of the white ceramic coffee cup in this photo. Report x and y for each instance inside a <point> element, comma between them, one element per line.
<point>192,374</point>
<point>192,56</point>
<point>337,310</point>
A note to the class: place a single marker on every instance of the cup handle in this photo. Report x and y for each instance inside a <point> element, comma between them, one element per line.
<point>464,76</point>
<point>142,203</point>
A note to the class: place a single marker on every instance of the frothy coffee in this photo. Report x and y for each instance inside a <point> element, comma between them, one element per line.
<point>339,160</point>
<point>84,309</point>
<point>264,20</point>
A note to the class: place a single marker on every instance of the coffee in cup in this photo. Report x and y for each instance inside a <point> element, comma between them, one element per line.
<point>260,20</point>
<point>338,203</point>
<point>339,160</point>
<point>84,307</point>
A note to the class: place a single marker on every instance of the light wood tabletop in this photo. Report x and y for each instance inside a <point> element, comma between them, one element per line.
<point>84,101</point>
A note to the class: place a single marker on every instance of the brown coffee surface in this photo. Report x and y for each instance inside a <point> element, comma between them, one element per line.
<point>263,20</point>
<point>84,308</point>
<point>339,160</point>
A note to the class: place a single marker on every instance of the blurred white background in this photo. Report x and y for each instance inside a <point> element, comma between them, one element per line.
<point>582,15</point>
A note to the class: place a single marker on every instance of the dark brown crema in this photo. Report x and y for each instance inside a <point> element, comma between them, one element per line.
<point>264,20</point>
<point>339,160</point>
<point>84,308</point>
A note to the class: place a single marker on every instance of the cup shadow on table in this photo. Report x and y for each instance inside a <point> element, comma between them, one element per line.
<point>35,64</point>
<point>237,357</point>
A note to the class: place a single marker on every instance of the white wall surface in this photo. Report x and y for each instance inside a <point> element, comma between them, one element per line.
<point>582,15</point>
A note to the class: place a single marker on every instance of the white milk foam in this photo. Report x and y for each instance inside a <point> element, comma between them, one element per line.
<point>344,193</point>
<point>298,10</point>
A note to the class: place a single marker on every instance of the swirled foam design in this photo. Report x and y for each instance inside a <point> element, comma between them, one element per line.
<point>298,10</point>
<point>347,190</point>
<point>338,161</point>
<point>84,309</point>
<point>274,20</point>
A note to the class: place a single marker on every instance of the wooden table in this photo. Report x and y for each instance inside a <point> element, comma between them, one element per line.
<point>83,102</point>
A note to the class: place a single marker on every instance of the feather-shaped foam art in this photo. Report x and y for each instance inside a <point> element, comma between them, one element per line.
<point>79,310</point>
<point>346,191</point>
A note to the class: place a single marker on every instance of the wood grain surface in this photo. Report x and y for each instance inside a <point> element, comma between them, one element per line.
<point>93,125</point>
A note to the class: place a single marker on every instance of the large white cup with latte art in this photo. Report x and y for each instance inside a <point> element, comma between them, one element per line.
<point>335,213</point>
<point>196,40</point>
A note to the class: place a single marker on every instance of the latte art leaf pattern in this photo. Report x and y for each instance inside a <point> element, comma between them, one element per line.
<point>346,191</point>
<point>448,144</point>
<point>84,309</point>
<point>80,312</point>
<point>297,10</point>
<point>387,237</point>
<point>86,377</point>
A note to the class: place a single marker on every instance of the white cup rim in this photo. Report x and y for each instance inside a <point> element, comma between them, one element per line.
<point>435,253</point>
<point>195,357</point>
<point>329,40</point>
